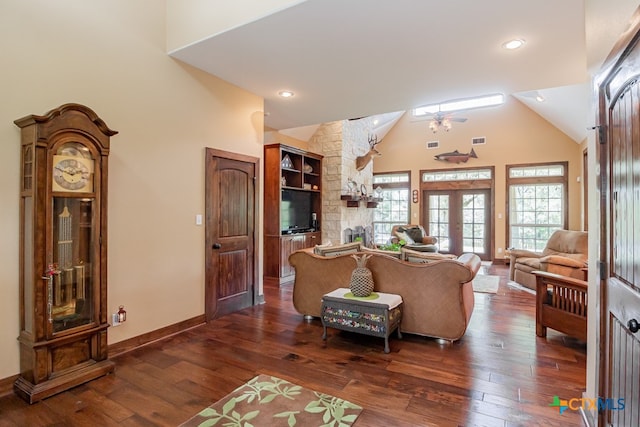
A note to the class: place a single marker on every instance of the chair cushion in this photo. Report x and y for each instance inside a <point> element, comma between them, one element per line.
<point>528,264</point>
<point>421,247</point>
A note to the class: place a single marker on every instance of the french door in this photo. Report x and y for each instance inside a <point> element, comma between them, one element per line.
<point>460,219</point>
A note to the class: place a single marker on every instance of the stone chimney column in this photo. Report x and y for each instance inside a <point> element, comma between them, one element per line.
<point>340,143</point>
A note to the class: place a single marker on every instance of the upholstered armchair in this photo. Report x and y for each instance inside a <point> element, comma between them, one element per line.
<point>415,236</point>
<point>565,254</point>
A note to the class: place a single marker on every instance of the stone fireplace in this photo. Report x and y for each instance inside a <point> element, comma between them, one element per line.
<point>340,143</point>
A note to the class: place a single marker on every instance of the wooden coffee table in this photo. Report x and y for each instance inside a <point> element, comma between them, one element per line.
<point>378,315</point>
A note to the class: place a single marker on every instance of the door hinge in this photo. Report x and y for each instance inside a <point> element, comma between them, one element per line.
<point>602,133</point>
<point>602,269</point>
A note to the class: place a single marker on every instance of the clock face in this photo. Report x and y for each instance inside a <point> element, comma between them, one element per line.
<point>72,174</point>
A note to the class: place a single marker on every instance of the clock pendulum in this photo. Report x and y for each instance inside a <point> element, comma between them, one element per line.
<point>65,254</point>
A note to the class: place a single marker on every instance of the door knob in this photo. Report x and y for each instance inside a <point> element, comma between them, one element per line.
<point>633,326</point>
<point>217,246</point>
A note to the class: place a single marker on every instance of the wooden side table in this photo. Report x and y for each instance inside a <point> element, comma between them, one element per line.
<point>378,315</point>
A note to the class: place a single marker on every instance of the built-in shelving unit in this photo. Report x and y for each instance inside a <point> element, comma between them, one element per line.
<point>292,198</point>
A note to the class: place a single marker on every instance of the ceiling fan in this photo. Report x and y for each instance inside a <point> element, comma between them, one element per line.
<point>443,120</point>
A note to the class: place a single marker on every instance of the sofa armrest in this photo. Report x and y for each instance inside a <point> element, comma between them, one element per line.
<point>562,260</point>
<point>523,253</point>
<point>471,261</point>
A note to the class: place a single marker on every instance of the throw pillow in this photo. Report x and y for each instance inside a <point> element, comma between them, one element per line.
<point>415,233</point>
<point>403,235</point>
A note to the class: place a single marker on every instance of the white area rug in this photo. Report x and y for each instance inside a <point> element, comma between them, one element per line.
<point>486,283</point>
<point>516,285</point>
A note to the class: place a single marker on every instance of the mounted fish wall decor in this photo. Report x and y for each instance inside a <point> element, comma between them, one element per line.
<point>456,156</point>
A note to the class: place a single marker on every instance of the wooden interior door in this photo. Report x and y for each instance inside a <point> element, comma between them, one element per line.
<point>460,220</point>
<point>619,157</point>
<point>230,203</point>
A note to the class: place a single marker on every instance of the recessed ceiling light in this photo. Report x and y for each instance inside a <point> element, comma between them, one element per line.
<point>286,93</point>
<point>513,44</point>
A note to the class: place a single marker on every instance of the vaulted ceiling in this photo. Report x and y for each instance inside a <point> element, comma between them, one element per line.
<point>346,59</point>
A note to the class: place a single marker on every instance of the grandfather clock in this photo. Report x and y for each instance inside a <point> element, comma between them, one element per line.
<point>63,251</point>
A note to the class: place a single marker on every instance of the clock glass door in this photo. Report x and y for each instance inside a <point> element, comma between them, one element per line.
<point>70,283</point>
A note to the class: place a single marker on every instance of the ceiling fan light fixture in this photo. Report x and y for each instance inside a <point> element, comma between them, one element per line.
<point>513,44</point>
<point>433,126</point>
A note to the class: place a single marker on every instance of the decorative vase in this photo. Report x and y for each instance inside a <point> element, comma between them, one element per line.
<point>361,279</point>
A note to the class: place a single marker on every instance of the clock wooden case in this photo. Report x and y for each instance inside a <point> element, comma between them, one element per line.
<point>63,251</point>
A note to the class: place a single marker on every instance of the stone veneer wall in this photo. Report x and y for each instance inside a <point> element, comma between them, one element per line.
<point>340,143</point>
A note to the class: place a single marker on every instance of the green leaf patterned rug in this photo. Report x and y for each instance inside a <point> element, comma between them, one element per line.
<point>271,401</point>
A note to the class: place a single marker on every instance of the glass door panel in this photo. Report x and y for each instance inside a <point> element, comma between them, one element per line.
<point>439,220</point>
<point>460,221</point>
<point>474,238</point>
<point>70,284</point>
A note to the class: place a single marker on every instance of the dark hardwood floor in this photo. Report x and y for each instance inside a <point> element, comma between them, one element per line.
<point>498,374</point>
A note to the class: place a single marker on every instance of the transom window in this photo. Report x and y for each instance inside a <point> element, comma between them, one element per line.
<point>456,175</point>
<point>395,207</point>
<point>537,202</point>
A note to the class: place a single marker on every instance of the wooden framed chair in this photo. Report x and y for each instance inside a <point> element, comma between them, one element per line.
<point>561,304</point>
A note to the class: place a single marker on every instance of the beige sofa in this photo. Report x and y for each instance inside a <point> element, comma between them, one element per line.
<point>438,295</point>
<point>565,254</point>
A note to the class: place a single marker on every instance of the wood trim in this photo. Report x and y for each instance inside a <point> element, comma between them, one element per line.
<point>6,385</point>
<point>585,190</point>
<point>214,152</point>
<point>149,337</point>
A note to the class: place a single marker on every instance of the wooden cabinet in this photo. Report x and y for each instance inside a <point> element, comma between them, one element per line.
<point>63,251</point>
<point>291,243</point>
<point>292,207</point>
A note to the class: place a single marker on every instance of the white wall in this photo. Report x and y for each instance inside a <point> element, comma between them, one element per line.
<point>190,21</point>
<point>110,56</point>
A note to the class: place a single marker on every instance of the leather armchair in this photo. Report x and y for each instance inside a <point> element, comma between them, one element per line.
<point>565,254</point>
<point>415,236</point>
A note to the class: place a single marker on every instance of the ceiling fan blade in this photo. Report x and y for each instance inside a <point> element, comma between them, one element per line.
<point>458,119</point>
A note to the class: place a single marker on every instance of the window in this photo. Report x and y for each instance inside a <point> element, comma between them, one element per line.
<point>459,104</point>
<point>537,203</point>
<point>395,207</point>
<point>456,175</point>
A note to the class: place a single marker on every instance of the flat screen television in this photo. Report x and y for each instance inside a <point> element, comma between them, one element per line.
<point>295,211</point>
